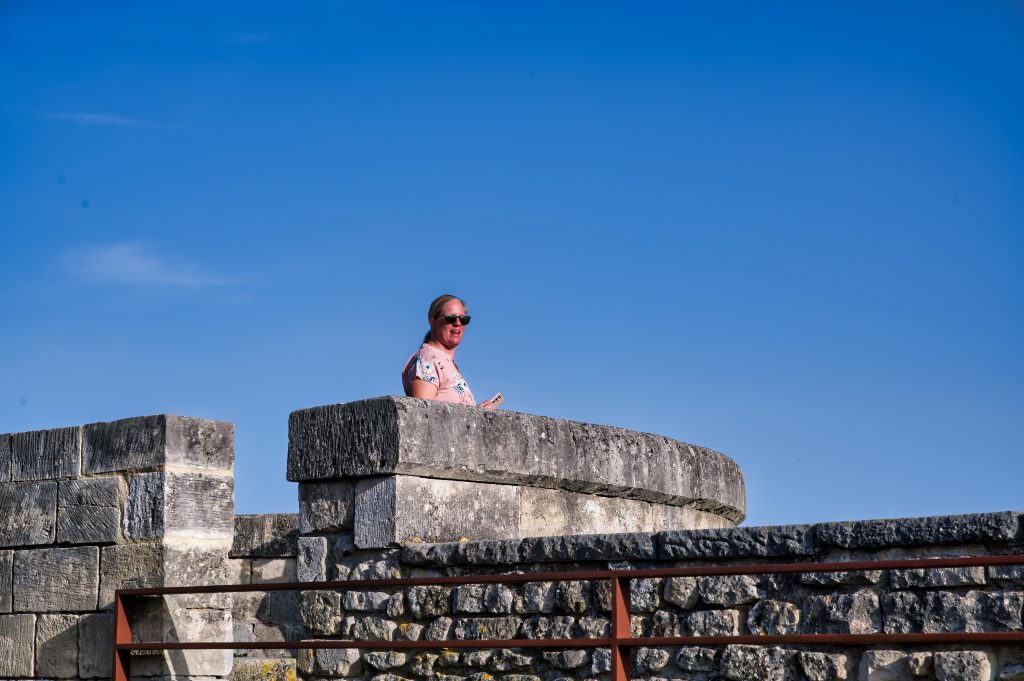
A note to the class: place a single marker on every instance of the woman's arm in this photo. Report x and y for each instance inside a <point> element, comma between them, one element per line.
<point>423,389</point>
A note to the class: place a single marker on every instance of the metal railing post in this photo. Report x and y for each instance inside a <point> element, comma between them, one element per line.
<point>122,634</point>
<point>621,628</point>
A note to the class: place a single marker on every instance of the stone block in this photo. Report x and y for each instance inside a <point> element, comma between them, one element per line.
<point>129,566</point>
<point>95,641</point>
<point>239,571</point>
<point>847,578</point>
<point>57,646</point>
<point>400,508</point>
<point>17,633</point>
<point>743,662</point>
<point>773,618</point>
<point>856,613</point>
<point>551,512</point>
<point>56,580</point>
<point>6,575</point>
<point>962,665</point>
<point>593,547</point>
<point>818,666</point>
<point>697,659</point>
<point>89,510</point>
<point>407,436</point>
<point>311,563</point>
<point>976,528</point>
<point>152,441</point>
<point>326,506</point>
<point>272,535</point>
<point>46,454</point>
<point>29,513</point>
<point>165,620</point>
<point>727,590</point>
<point>933,578</point>
<point>263,670</point>
<point>740,542</point>
<point>330,663</point>
<point>884,665</point>
<point>175,504</point>
<point>946,611</point>
<point>6,462</point>
<point>273,570</point>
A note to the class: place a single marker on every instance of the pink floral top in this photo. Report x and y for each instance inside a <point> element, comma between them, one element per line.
<point>437,367</point>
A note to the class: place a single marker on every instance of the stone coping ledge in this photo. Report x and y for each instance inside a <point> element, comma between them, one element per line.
<point>772,541</point>
<point>430,439</point>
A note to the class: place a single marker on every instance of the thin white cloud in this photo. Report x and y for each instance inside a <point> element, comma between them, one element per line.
<point>135,265</point>
<point>105,119</point>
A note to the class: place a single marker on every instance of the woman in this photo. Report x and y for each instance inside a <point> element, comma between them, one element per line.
<point>431,373</point>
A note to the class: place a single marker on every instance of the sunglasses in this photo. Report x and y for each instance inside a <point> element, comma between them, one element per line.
<point>452,318</point>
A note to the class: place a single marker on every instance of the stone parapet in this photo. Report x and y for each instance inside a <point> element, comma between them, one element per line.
<point>399,469</point>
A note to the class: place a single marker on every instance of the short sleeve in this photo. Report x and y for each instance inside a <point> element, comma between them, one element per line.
<point>425,370</point>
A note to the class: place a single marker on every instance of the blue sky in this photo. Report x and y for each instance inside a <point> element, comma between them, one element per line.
<point>790,232</point>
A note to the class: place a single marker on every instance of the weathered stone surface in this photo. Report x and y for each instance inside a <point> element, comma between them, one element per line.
<point>151,441</point>
<point>856,613</point>
<point>945,611</point>
<point>6,569</point>
<point>371,628</point>
<point>165,620</point>
<point>273,570</point>
<point>400,508</point>
<point>937,577</point>
<point>854,578</point>
<point>884,665</point>
<point>536,597</point>
<point>321,612</point>
<point>475,628</point>
<point>169,504</point>
<point>57,646</point>
<point>129,566</point>
<point>95,638</point>
<point>29,513</point>
<point>89,510</point>
<point>548,512</point>
<point>311,563</point>
<point>697,659</point>
<point>434,439</point>
<point>540,627</point>
<point>17,633</point>
<point>333,663</point>
<point>385,659</point>
<point>326,506</point>
<point>266,536</point>
<point>822,666</point>
<point>1006,575</point>
<point>727,590</point>
<point>46,454</point>
<point>56,580</point>
<point>740,542</point>
<point>742,663</point>
<point>240,571</point>
<point>6,463</point>
<point>770,617</point>
<point>934,530</point>
<point>263,670</point>
<point>962,665</point>
<point>921,664</point>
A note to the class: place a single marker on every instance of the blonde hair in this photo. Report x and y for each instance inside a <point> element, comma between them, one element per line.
<point>435,310</point>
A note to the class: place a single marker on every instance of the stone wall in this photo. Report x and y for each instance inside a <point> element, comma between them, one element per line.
<point>89,509</point>
<point>891,601</point>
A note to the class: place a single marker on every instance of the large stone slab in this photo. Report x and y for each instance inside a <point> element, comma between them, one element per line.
<point>46,454</point>
<point>934,530</point>
<point>95,640</point>
<point>56,580</point>
<point>741,542</point>
<point>399,508</point>
<point>165,620</point>
<point>17,633</point>
<point>402,435</point>
<point>29,514</point>
<point>326,506</point>
<point>137,566</point>
<point>272,535</point>
<point>89,510</point>
<point>151,441</point>
<point>548,512</point>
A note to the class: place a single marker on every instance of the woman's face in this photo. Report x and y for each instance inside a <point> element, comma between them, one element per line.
<point>449,335</point>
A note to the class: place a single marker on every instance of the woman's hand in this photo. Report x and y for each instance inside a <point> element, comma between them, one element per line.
<point>492,403</point>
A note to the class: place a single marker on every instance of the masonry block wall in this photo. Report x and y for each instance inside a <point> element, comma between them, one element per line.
<point>89,509</point>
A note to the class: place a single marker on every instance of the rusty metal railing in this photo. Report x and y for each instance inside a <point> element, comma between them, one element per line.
<point>620,641</point>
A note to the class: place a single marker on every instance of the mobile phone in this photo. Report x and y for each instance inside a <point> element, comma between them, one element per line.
<point>496,400</point>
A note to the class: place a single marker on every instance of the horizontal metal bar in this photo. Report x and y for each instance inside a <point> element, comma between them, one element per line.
<point>518,578</point>
<point>648,641</point>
